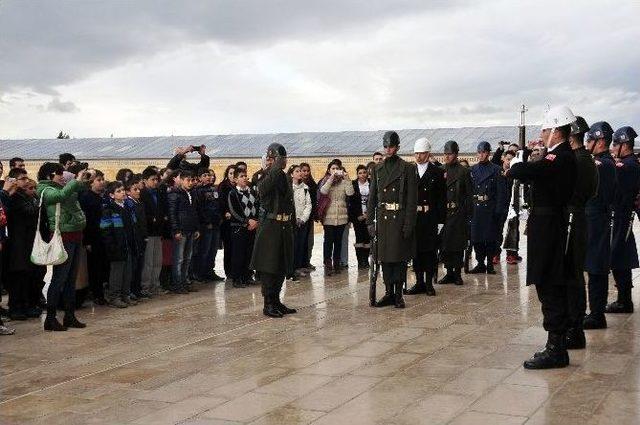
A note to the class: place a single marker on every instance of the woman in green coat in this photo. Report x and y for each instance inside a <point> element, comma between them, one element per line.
<point>53,190</point>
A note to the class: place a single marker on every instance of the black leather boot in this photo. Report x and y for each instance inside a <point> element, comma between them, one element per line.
<point>458,276</point>
<point>398,300</point>
<point>554,355</point>
<point>430,290</point>
<point>419,287</point>
<point>388,298</point>
<point>576,339</point>
<point>449,277</point>
<point>270,309</point>
<point>328,268</point>
<point>594,321</point>
<point>51,322</point>
<point>623,304</point>
<point>490,269</point>
<point>71,321</point>
<point>479,268</point>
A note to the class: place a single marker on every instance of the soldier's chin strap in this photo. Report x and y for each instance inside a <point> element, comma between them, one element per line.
<point>619,150</point>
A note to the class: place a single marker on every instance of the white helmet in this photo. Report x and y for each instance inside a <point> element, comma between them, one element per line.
<point>422,145</point>
<point>557,116</point>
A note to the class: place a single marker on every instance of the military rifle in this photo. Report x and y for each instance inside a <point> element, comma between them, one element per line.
<point>374,265</point>
<point>467,255</point>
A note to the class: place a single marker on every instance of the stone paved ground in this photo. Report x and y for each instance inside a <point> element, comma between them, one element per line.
<point>212,358</point>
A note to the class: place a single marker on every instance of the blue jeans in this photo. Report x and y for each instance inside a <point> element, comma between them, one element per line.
<point>182,250</point>
<point>205,260</point>
<point>63,280</point>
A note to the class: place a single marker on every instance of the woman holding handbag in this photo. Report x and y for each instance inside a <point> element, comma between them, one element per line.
<point>71,222</point>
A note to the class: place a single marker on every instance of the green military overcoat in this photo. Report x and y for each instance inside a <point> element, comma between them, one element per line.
<point>456,230</point>
<point>273,248</point>
<point>394,182</point>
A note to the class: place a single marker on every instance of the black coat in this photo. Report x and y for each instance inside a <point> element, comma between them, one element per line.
<point>92,205</point>
<point>553,181</point>
<point>624,254</point>
<point>355,203</point>
<point>155,209</point>
<point>489,202</point>
<point>183,211</point>
<point>456,230</point>
<point>431,193</point>
<point>586,189</point>
<point>273,248</point>
<point>22,220</point>
<point>598,216</point>
<point>393,182</point>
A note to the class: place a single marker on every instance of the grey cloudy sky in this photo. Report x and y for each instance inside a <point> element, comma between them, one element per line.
<point>188,67</point>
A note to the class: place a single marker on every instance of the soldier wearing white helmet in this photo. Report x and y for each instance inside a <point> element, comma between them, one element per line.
<point>431,212</point>
<point>553,181</point>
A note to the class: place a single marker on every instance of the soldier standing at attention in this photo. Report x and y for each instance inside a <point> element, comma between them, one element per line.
<point>586,189</point>
<point>392,201</point>
<point>490,204</point>
<point>553,181</point>
<point>624,255</point>
<point>273,250</point>
<point>598,213</point>
<point>431,212</point>
<point>459,203</point>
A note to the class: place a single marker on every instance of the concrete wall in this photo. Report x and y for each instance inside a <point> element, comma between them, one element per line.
<point>318,164</point>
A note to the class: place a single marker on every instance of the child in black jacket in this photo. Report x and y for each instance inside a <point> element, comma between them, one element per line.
<point>243,207</point>
<point>183,217</point>
<point>119,240</point>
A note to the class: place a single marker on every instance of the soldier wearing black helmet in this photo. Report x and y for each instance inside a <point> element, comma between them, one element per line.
<point>586,188</point>
<point>599,224</point>
<point>489,205</point>
<point>624,255</point>
<point>459,198</point>
<point>392,198</point>
<point>273,250</point>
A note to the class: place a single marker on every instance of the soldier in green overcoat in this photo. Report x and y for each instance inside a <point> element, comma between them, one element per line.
<point>392,198</point>
<point>273,250</point>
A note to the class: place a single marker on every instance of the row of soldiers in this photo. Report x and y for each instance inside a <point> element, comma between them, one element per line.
<point>582,203</point>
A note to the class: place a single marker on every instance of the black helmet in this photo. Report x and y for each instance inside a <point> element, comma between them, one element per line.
<point>390,139</point>
<point>624,134</point>
<point>579,126</point>
<point>276,150</point>
<point>451,147</point>
<point>482,147</point>
<point>600,130</point>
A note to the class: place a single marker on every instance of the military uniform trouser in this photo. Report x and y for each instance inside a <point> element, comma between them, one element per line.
<point>622,278</point>
<point>271,285</point>
<point>453,259</point>
<point>485,250</point>
<point>598,292</point>
<point>394,273</point>
<point>425,262</point>
<point>554,300</point>
<point>576,305</point>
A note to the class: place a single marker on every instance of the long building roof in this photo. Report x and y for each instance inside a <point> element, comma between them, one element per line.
<point>308,144</point>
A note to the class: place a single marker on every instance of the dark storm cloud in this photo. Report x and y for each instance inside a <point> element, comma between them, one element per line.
<point>47,43</point>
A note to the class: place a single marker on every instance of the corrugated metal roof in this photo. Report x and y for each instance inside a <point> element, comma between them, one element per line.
<point>343,143</point>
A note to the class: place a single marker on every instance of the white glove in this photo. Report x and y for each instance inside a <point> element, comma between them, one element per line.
<point>512,213</point>
<point>517,159</point>
<point>440,226</point>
